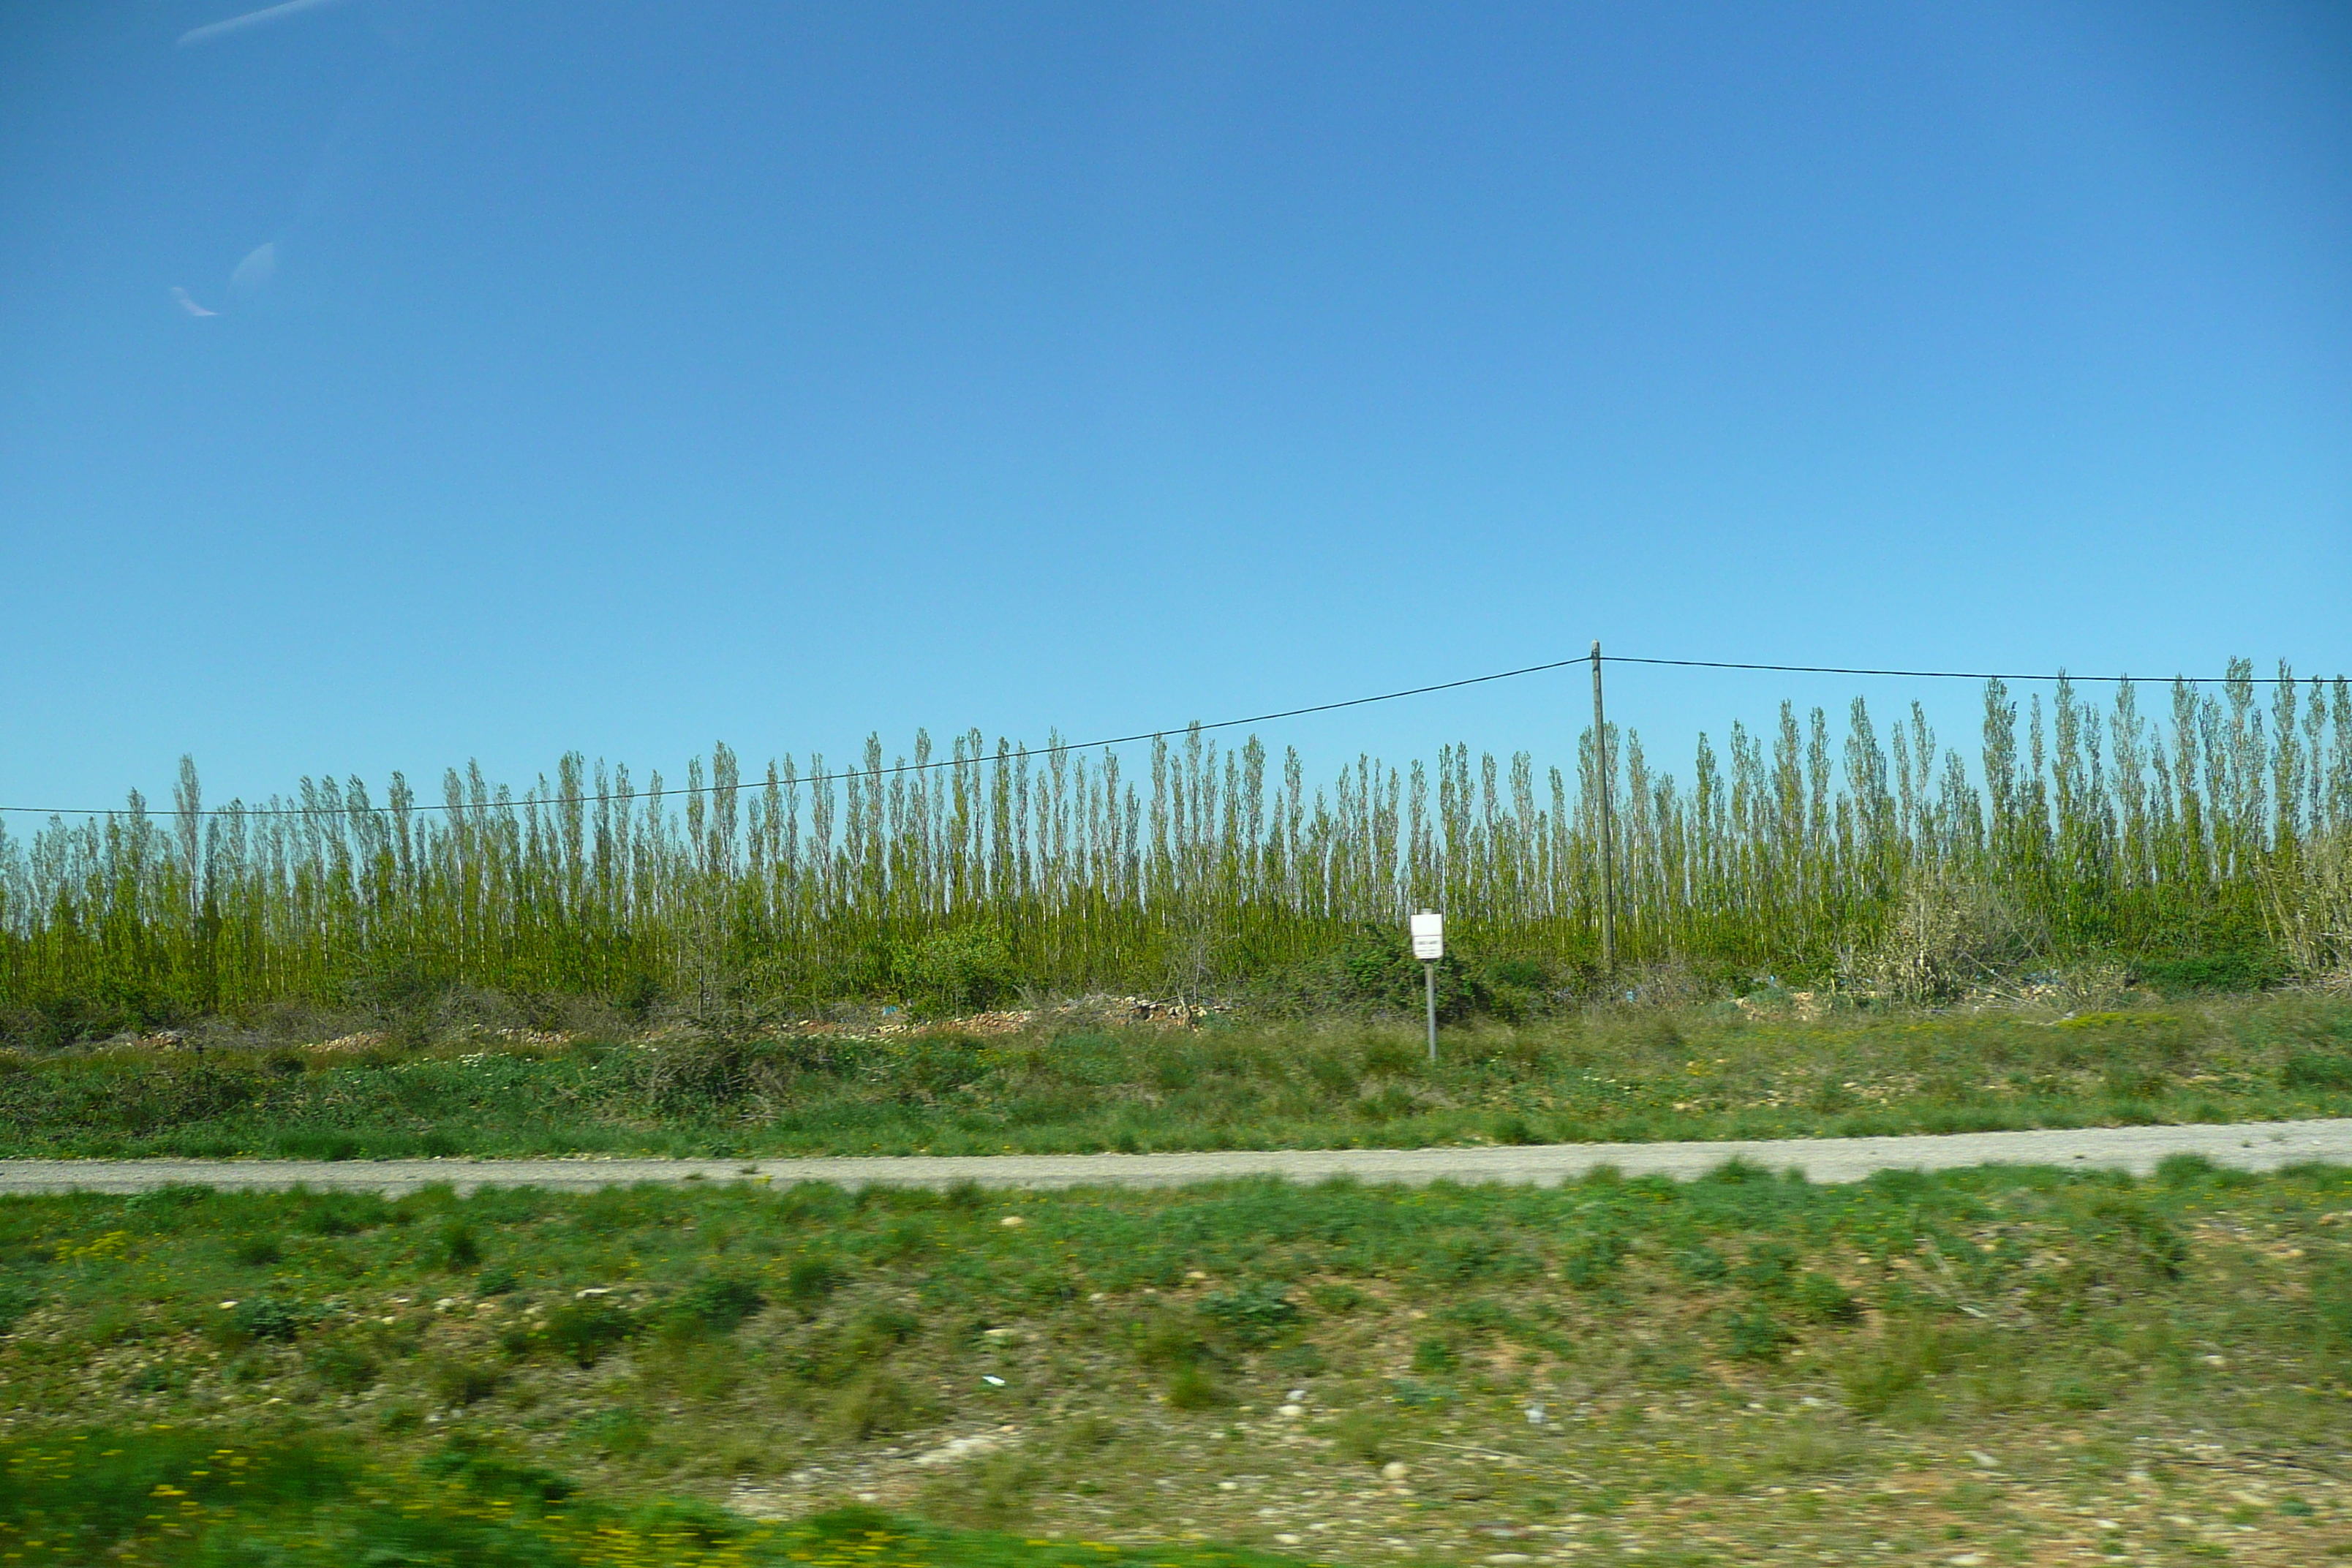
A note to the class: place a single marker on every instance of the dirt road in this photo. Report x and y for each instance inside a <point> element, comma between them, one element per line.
<point>2252,1145</point>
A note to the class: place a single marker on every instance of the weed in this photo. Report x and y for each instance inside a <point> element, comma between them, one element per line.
<point>1192,1387</point>
<point>584,1331</point>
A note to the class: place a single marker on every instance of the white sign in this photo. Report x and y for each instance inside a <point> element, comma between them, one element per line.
<point>1428,935</point>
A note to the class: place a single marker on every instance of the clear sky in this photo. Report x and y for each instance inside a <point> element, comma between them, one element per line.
<point>389,383</point>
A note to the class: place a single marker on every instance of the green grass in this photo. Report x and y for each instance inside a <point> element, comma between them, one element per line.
<point>164,1496</point>
<point>1792,1369</point>
<point>1628,1075</point>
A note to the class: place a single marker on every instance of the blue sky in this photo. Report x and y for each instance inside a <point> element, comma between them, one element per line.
<point>626,376</point>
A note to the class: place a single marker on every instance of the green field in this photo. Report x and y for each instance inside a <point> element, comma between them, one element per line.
<point>1624,1075</point>
<point>2014,1365</point>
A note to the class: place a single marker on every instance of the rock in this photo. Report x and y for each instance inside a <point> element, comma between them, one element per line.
<point>1290,1412</point>
<point>1012,1222</point>
<point>1395,1470</point>
<point>958,1449</point>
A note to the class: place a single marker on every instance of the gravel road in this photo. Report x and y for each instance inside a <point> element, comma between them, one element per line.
<point>2249,1146</point>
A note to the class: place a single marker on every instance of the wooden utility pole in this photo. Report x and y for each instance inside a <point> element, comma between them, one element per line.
<point>1607,833</point>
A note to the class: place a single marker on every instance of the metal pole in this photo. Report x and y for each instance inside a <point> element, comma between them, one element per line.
<point>1608,832</point>
<point>1429,982</point>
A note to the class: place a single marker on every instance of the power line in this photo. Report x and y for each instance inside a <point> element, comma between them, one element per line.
<point>1944,674</point>
<point>897,769</point>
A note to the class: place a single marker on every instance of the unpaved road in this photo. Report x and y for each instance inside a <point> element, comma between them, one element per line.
<point>2247,1145</point>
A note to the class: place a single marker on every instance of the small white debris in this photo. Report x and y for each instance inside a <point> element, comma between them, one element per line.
<point>230,1306</point>
<point>1395,1470</point>
<point>1984,1461</point>
<point>869,1497</point>
<point>990,1379</point>
<point>1534,1414</point>
<point>2217,1360</point>
<point>1100,1296</point>
<point>1508,1557</point>
<point>591,1292</point>
<point>1297,1395</point>
<point>1290,1412</point>
<point>2107,1524</point>
<point>444,1303</point>
<point>1287,1539</point>
<point>1012,1222</point>
<point>1229,1486</point>
<point>1195,1273</point>
<point>1000,1335</point>
<point>1966,1560</point>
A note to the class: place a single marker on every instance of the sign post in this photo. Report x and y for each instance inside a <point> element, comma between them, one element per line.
<point>1428,946</point>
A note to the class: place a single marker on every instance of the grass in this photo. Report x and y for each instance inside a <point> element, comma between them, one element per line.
<point>1761,1070</point>
<point>1746,1367</point>
<point>164,1496</point>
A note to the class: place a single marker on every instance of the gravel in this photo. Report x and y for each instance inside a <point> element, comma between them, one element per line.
<point>2250,1146</point>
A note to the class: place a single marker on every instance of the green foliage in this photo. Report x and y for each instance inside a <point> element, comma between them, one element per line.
<point>719,1303</point>
<point>189,1501</point>
<point>812,1279</point>
<point>2330,1070</point>
<point>1252,1315</point>
<point>456,1248</point>
<point>265,1318</point>
<point>1193,1387</point>
<point>1753,1333</point>
<point>1434,1355</point>
<point>586,1329</point>
<point>955,971</point>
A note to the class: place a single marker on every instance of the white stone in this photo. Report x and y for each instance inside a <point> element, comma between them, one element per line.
<point>1396,1470</point>
<point>958,1449</point>
<point>1290,1412</point>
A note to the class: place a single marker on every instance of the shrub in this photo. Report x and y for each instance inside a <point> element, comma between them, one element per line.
<point>255,1251</point>
<point>584,1331</point>
<point>2318,1069</point>
<point>1754,1334</point>
<point>872,1405</point>
<point>455,1248</point>
<point>265,1318</point>
<point>1192,1388</point>
<point>17,1299</point>
<point>1818,1299</point>
<point>1365,1435</point>
<point>1436,1355</point>
<point>718,1304</point>
<point>458,1381</point>
<point>954,971</point>
<point>810,1279</point>
<point>1252,1315</point>
<point>345,1368</point>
